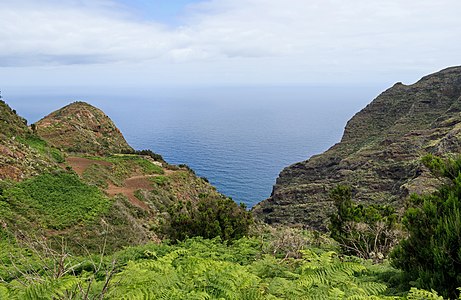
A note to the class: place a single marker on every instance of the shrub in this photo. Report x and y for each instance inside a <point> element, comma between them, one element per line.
<point>150,153</point>
<point>369,232</point>
<point>209,217</point>
<point>431,255</point>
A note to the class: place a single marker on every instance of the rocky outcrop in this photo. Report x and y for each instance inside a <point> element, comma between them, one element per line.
<point>80,127</point>
<point>379,153</point>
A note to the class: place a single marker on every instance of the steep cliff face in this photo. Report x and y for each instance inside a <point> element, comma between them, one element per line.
<point>379,153</point>
<point>80,127</point>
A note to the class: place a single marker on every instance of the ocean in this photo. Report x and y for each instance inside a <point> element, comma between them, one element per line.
<point>239,138</point>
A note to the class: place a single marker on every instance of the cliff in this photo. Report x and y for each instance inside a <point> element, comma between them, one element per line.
<point>378,155</point>
<point>80,127</point>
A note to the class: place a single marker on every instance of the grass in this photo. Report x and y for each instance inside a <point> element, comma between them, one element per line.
<point>160,180</point>
<point>42,147</point>
<point>100,176</point>
<point>131,161</point>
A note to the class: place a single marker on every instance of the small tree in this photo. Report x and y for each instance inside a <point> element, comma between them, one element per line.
<point>369,232</point>
<point>431,255</point>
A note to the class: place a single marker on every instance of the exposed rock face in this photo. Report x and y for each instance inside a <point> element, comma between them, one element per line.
<point>80,127</point>
<point>379,153</point>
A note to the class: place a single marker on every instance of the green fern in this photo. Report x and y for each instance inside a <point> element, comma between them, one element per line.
<point>44,289</point>
<point>209,270</point>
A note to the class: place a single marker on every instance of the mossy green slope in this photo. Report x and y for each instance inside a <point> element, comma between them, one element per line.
<point>379,154</point>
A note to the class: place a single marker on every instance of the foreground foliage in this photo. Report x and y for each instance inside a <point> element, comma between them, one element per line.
<point>198,269</point>
<point>431,255</point>
<point>201,269</point>
<point>369,232</point>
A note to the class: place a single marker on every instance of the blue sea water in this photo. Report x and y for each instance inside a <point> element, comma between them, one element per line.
<point>240,138</point>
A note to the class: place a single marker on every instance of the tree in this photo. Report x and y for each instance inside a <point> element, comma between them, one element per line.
<point>431,255</point>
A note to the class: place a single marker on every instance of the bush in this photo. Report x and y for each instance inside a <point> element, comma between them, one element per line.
<point>146,152</point>
<point>431,255</point>
<point>369,232</point>
<point>209,217</point>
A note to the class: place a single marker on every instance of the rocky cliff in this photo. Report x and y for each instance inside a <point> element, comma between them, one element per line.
<point>379,153</point>
<point>80,127</point>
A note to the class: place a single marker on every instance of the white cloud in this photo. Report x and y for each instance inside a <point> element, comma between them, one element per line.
<point>290,37</point>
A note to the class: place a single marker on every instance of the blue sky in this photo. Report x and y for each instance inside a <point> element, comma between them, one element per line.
<point>225,42</point>
<point>165,11</point>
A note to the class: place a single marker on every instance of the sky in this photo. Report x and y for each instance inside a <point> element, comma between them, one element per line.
<point>138,43</point>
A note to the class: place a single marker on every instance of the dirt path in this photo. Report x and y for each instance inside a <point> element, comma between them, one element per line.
<point>130,185</point>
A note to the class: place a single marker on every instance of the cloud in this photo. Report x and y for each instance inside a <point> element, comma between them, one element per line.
<point>310,34</point>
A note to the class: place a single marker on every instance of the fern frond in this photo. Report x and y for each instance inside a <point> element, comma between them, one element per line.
<point>4,293</point>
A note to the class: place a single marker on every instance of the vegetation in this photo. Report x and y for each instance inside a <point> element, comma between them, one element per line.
<point>80,127</point>
<point>42,147</point>
<point>199,269</point>
<point>369,232</point>
<point>431,255</point>
<point>62,238</point>
<point>209,217</point>
<point>53,201</point>
<point>146,152</point>
<point>10,123</point>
